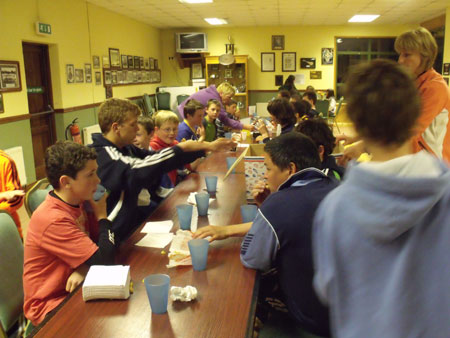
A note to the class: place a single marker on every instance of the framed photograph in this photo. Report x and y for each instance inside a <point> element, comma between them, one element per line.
<point>277,42</point>
<point>119,76</point>
<point>139,76</point>
<point>130,76</point>
<point>327,56</point>
<point>315,74</point>
<point>278,80</point>
<point>114,77</point>
<point>308,63</point>
<point>197,70</point>
<point>155,62</point>
<point>446,69</point>
<point>79,75</point>
<point>141,62</point>
<point>134,76</point>
<point>98,78</point>
<point>114,58</point>
<point>108,91</point>
<point>446,80</point>
<point>10,76</point>
<point>137,62</point>
<point>151,62</point>
<point>125,76</point>
<point>88,72</point>
<point>96,61</point>
<point>289,63</point>
<point>70,73</point>
<point>146,64</point>
<point>124,61</point>
<point>130,62</point>
<point>2,106</point>
<point>107,77</point>
<point>105,61</point>
<point>228,73</point>
<point>267,62</point>
<point>157,76</point>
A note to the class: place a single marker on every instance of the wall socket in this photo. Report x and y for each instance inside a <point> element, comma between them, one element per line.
<point>171,57</point>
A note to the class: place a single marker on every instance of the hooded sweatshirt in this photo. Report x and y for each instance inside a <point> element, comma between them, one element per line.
<point>381,245</point>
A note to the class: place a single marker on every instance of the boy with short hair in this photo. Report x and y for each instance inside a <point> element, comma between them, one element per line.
<point>381,238</point>
<point>311,98</point>
<point>209,122</point>
<point>191,128</point>
<point>58,247</point>
<point>321,134</point>
<point>9,181</point>
<point>232,110</point>
<point>145,132</point>
<point>280,235</point>
<point>132,174</point>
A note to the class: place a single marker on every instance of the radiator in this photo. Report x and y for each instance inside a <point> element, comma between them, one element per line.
<point>16,153</point>
<point>88,131</point>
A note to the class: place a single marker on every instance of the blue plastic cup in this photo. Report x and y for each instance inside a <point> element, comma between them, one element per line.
<point>199,253</point>
<point>230,162</point>
<point>184,216</point>
<point>248,212</point>
<point>157,287</point>
<point>211,183</point>
<point>202,200</point>
<point>228,135</point>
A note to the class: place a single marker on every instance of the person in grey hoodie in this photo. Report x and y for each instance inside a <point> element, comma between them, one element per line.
<point>381,240</point>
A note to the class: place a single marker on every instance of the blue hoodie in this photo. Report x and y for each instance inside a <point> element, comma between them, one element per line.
<point>382,248</point>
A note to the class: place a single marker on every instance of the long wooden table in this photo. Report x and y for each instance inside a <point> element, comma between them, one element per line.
<point>227,291</point>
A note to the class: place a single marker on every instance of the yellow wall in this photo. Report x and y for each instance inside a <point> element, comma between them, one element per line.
<point>447,37</point>
<point>306,41</point>
<point>80,30</point>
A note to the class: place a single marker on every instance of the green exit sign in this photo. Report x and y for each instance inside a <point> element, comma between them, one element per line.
<point>43,28</point>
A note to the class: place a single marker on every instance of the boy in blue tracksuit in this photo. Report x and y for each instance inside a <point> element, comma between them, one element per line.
<point>132,175</point>
<point>280,235</point>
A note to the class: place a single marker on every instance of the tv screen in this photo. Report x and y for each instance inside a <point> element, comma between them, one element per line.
<point>191,42</point>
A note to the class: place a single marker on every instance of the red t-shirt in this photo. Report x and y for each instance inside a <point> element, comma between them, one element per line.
<point>57,242</point>
<point>157,144</point>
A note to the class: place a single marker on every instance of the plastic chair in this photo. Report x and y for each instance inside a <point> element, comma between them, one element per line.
<point>333,118</point>
<point>11,271</point>
<point>322,107</point>
<point>148,108</point>
<point>36,195</point>
<point>163,101</point>
<point>181,98</point>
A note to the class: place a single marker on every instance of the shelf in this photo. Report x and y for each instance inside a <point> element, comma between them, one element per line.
<point>240,94</point>
<point>186,59</point>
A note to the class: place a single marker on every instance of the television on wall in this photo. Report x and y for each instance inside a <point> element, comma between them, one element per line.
<point>191,42</point>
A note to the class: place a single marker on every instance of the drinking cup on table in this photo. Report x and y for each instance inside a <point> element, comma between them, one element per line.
<point>199,253</point>
<point>228,135</point>
<point>248,212</point>
<point>157,287</point>
<point>202,200</point>
<point>184,216</point>
<point>243,135</point>
<point>211,184</point>
<point>230,162</point>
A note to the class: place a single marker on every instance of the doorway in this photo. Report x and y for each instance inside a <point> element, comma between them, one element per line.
<point>40,102</point>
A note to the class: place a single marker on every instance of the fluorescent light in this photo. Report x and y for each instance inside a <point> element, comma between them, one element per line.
<point>195,1</point>
<point>363,18</point>
<point>216,21</point>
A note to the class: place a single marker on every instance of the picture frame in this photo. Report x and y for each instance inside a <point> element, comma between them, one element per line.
<point>155,62</point>
<point>289,62</point>
<point>10,80</point>
<point>70,73</point>
<point>228,73</point>
<point>327,56</point>
<point>114,58</point>
<point>105,61</point>
<point>146,64</point>
<point>107,77</point>
<point>446,80</point>
<point>130,76</point>
<point>108,91</point>
<point>2,106</point>
<point>277,42</point>
<point>124,61</point>
<point>151,62</point>
<point>79,75</point>
<point>88,72</point>
<point>315,75</point>
<point>446,69</point>
<point>141,62</point>
<point>114,77</point>
<point>308,63</point>
<point>98,78</point>
<point>267,62</point>
<point>279,80</point>
<point>137,62</point>
<point>120,77</point>
<point>96,61</point>
<point>196,70</point>
<point>134,76</point>
<point>125,76</point>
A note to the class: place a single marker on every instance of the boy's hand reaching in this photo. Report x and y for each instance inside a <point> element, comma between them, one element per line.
<point>222,144</point>
<point>260,192</point>
<point>214,231</point>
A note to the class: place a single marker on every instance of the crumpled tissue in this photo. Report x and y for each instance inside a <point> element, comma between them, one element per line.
<point>185,294</point>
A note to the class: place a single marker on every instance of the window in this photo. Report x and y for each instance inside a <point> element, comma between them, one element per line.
<point>351,51</point>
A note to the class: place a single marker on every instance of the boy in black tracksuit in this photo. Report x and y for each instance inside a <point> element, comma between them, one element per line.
<point>132,174</point>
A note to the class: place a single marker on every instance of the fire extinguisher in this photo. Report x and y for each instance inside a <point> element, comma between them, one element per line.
<point>74,132</point>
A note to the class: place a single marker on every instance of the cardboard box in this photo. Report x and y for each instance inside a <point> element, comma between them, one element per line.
<point>254,167</point>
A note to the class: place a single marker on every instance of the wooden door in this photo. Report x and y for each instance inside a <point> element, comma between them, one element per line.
<point>40,102</point>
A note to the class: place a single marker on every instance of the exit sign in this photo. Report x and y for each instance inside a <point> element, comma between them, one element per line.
<point>43,28</point>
